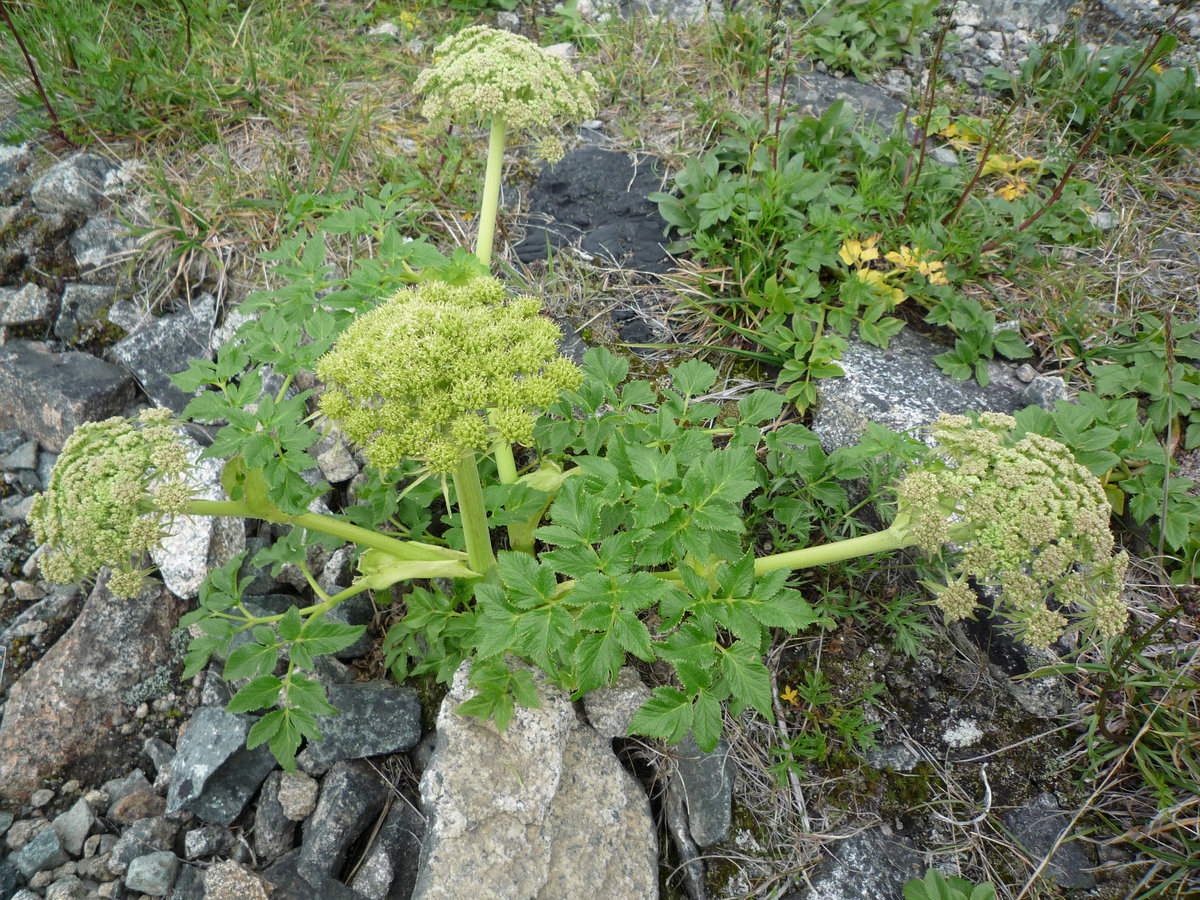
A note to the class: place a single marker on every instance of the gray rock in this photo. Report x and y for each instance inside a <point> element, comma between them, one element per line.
<point>206,841</point>
<point>14,165</point>
<point>374,718</point>
<point>160,753</point>
<point>814,92</point>
<point>72,827</point>
<point>117,789</point>
<point>102,247</point>
<point>9,877</point>
<point>902,388</point>
<point>153,873</point>
<point>611,709</point>
<point>334,455</point>
<point>866,866</point>
<point>163,346</point>
<point>196,544</point>
<point>44,852</point>
<point>48,616</point>
<point>706,783</point>
<point>213,775</point>
<point>82,310</point>
<point>389,867</point>
<point>274,831</point>
<point>73,388</point>
<point>63,707</point>
<point>73,186</point>
<point>69,888</point>
<point>352,797</point>
<point>142,837</point>
<point>681,12</point>
<point>547,797</point>
<point>24,307</point>
<point>190,885</point>
<point>227,880</point>
<point>1036,826</point>
<point>23,457</point>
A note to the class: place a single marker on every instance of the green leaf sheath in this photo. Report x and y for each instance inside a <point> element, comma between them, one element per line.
<point>474,515</point>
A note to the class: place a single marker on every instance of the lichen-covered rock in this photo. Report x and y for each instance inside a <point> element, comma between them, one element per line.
<point>59,712</point>
<point>543,810</point>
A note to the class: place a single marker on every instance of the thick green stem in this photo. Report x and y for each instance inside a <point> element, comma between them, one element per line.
<point>491,190</point>
<point>347,531</point>
<point>473,514</point>
<point>893,538</point>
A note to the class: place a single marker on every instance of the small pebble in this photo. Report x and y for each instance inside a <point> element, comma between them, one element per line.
<point>1026,373</point>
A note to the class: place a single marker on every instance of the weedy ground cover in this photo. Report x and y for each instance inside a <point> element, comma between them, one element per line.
<point>288,129</point>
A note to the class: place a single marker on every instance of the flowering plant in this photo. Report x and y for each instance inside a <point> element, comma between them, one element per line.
<point>627,525</point>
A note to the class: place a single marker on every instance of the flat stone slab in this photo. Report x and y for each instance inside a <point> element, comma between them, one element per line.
<point>71,388</point>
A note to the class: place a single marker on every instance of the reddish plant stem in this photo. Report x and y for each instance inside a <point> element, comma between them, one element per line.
<point>56,127</point>
<point>1119,95</point>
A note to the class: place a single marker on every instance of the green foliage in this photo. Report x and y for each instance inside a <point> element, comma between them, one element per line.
<point>295,635</point>
<point>936,886</point>
<point>149,68</point>
<point>649,521</point>
<point>1078,83</point>
<point>863,36</point>
<point>804,238</point>
<point>824,726</point>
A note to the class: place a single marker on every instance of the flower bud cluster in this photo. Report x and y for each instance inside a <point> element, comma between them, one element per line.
<point>114,490</point>
<point>442,370</point>
<point>482,72</point>
<point>1027,516</point>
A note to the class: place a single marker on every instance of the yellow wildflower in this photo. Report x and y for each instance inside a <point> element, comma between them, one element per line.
<point>855,253</point>
<point>790,695</point>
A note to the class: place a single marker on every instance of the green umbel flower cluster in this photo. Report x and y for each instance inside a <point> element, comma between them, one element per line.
<point>1027,516</point>
<point>112,494</point>
<point>443,370</point>
<point>482,72</point>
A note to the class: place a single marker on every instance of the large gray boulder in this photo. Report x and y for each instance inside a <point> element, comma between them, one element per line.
<point>543,810</point>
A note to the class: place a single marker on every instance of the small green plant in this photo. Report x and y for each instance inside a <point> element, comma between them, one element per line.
<point>863,36</point>
<point>802,236</point>
<point>824,726</point>
<point>936,886</point>
<point>1145,101</point>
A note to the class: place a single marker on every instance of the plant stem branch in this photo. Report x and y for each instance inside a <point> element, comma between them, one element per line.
<point>893,538</point>
<point>491,190</point>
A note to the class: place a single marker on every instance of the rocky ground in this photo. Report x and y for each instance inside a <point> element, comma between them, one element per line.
<point>119,781</point>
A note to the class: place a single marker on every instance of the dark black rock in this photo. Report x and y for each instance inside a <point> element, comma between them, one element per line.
<point>352,796</point>
<point>213,775</point>
<point>706,782</point>
<point>274,832</point>
<point>82,310</point>
<point>595,200</point>
<point>1036,826</point>
<point>289,884</point>
<point>389,868</point>
<point>374,718</point>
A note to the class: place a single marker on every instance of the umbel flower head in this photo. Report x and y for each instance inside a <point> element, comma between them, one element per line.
<point>112,493</point>
<point>1027,516</point>
<point>443,370</point>
<point>482,72</point>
